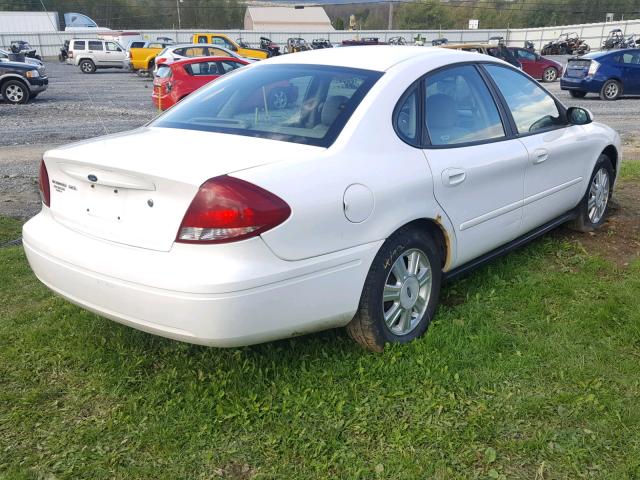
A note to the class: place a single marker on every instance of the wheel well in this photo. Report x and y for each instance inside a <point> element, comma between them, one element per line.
<point>17,78</point>
<point>612,153</point>
<point>437,232</point>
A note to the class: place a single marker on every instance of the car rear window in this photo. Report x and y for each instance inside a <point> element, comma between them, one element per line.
<point>308,104</point>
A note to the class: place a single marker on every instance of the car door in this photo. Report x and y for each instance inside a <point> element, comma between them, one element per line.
<point>631,75</point>
<point>529,63</point>
<point>557,153</point>
<point>202,73</point>
<point>96,51</point>
<point>114,54</point>
<point>478,170</point>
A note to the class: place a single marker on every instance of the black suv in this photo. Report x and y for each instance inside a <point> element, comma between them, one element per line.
<point>20,81</point>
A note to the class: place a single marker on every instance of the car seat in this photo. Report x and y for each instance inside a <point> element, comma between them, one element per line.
<point>442,117</point>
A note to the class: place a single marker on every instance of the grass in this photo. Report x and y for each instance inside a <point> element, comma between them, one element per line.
<point>530,371</point>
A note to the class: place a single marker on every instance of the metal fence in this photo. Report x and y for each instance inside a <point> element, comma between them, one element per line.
<point>48,44</point>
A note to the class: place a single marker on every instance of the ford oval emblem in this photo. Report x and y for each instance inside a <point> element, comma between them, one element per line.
<point>92,178</point>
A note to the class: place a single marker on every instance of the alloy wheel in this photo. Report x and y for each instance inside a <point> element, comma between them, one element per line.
<point>611,90</point>
<point>598,196</point>
<point>279,99</point>
<point>407,291</point>
<point>550,74</point>
<point>14,93</point>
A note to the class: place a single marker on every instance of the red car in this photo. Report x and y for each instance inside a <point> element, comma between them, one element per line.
<point>538,67</point>
<point>174,81</point>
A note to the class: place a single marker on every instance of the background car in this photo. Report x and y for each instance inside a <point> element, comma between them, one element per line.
<point>494,50</point>
<point>610,74</point>
<point>20,82</point>
<point>537,66</point>
<point>6,56</point>
<point>174,81</point>
<point>191,50</point>
<point>92,54</point>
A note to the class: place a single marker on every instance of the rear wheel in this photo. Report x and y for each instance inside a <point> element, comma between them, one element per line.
<point>87,66</point>
<point>15,92</point>
<point>611,90</point>
<point>577,93</point>
<point>592,209</point>
<point>400,293</point>
<point>550,74</point>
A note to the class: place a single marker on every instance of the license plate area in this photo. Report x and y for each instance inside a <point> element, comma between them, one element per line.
<point>106,203</point>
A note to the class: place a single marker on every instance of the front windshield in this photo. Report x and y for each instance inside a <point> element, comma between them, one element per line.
<point>307,104</point>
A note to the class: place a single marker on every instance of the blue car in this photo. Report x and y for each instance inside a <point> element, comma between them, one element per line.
<point>609,74</point>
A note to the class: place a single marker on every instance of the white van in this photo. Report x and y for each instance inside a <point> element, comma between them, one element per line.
<point>92,53</point>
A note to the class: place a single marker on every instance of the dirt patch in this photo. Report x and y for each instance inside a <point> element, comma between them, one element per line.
<point>619,238</point>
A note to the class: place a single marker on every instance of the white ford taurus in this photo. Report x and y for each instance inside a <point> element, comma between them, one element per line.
<point>227,222</point>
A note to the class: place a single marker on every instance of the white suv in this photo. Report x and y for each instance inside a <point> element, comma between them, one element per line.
<point>91,54</point>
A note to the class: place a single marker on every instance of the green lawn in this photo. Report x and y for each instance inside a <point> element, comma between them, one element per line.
<point>531,371</point>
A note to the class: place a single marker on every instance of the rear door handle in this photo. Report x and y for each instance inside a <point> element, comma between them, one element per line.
<point>453,176</point>
<point>540,156</point>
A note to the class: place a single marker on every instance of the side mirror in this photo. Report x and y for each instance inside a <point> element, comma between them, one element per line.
<point>579,116</point>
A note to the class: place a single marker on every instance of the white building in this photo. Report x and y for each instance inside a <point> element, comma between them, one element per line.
<point>29,22</point>
<point>287,19</point>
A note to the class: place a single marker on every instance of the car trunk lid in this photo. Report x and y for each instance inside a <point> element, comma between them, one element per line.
<point>134,188</point>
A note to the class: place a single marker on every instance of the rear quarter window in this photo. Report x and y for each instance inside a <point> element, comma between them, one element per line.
<point>78,45</point>
<point>95,45</point>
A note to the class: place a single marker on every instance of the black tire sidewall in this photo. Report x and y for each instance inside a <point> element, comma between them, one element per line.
<point>27,94</point>
<point>93,67</point>
<point>396,245</point>
<point>577,93</point>
<point>608,82</point>
<point>603,161</point>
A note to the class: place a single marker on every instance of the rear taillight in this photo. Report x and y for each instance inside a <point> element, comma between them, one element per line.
<point>43,184</point>
<point>593,67</point>
<point>227,209</point>
<point>70,55</point>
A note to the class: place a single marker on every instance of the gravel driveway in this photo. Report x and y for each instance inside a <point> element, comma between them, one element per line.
<point>78,106</point>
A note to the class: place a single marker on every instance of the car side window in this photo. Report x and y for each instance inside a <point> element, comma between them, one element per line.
<point>405,120</point>
<point>202,68</point>
<point>216,52</point>
<point>202,39</point>
<point>459,108</point>
<point>112,47</point>
<point>526,55</point>
<point>227,65</point>
<point>95,45</point>
<point>532,108</point>
<point>195,52</point>
<point>78,45</point>
<point>631,58</point>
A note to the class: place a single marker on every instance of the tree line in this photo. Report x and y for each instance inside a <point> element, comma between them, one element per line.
<point>407,14</point>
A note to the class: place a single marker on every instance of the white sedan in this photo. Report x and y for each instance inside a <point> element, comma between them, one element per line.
<point>224,222</point>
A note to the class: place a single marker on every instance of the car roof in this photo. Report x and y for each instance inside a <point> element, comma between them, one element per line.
<point>186,61</point>
<point>370,57</point>
<point>595,55</point>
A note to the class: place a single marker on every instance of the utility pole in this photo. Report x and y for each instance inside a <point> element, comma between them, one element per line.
<point>390,23</point>
<point>178,2</point>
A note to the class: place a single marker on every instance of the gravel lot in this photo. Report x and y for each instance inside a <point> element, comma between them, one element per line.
<point>78,106</point>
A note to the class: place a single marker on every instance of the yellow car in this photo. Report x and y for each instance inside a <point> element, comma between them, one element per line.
<point>224,41</point>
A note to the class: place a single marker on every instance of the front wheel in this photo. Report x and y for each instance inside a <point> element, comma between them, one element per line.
<point>15,92</point>
<point>401,292</point>
<point>577,93</point>
<point>550,74</point>
<point>611,90</point>
<point>592,209</point>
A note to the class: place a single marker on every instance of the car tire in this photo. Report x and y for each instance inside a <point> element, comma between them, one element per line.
<point>15,92</point>
<point>592,209</point>
<point>611,90</point>
<point>400,293</point>
<point>550,74</point>
<point>87,66</point>
<point>278,99</point>
<point>577,93</point>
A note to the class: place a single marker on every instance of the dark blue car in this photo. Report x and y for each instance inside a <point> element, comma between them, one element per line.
<point>609,74</point>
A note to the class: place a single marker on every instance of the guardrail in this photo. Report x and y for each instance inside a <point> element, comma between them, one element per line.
<point>48,44</point>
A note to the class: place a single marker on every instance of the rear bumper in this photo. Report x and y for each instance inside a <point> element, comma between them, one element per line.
<point>586,84</point>
<point>162,102</point>
<point>219,295</point>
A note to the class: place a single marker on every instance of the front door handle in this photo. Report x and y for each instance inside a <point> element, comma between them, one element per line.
<point>540,156</point>
<point>453,176</point>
